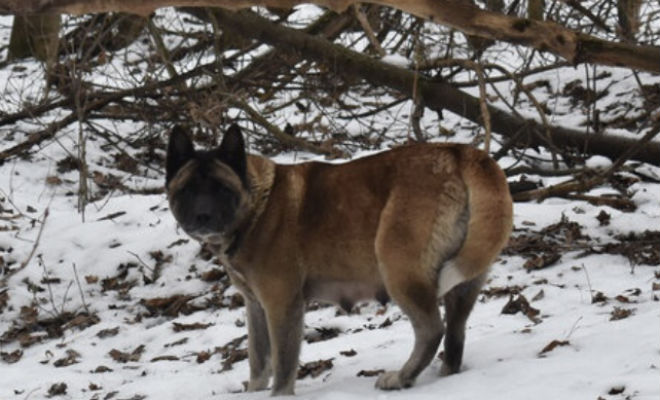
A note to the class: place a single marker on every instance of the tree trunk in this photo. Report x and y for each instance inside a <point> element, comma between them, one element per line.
<point>35,36</point>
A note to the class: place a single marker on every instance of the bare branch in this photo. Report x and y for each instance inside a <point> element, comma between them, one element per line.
<point>544,36</point>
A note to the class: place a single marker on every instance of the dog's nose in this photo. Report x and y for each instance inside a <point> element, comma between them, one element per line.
<point>202,218</point>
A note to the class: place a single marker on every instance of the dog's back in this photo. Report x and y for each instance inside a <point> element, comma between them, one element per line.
<point>445,201</point>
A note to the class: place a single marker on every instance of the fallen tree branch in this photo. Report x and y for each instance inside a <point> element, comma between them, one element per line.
<point>462,15</point>
<point>582,184</point>
<point>436,95</point>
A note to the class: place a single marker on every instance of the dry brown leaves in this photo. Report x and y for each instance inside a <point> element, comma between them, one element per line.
<point>119,281</point>
<point>234,356</point>
<point>13,357</point>
<point>57,389</point>
<point>314,368</point>
<point>348,353</point>
<point>169,306</point>
<point>230,353</point>
<point>178,327</point>
<point>101,369</point>
<point>214,275</point>
<point>70,359</point>
<point>544,248</point>
<point>321,334</point>
<point>620,313</point>
<point>638,248</point>
<point>553,345</point>
<point>520,304</point>
<point>29,329</point>
<point>110,332</point>
<point>123,357</point>
<point>368,373</point>
<point>4,294</point>
<point>501,291</point>
<point>165,358</point>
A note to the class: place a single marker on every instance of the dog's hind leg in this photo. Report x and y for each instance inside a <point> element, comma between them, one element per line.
<point>400,245</point>
<point>418,300</point>
<point>458,305</point>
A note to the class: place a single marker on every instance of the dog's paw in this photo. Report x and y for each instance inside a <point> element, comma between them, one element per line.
<point>391,380</point>
<point>446,370</point>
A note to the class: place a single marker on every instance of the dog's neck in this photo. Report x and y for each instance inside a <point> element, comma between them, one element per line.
<point>261,174</point>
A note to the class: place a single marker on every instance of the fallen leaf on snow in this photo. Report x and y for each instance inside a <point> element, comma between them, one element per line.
<point>12,357</point>
<point>501,291</point>
<point>520,304</point>
<point>70,359</point>
<point>213,275</point>
<point>553,345</point>
<point>603,218</point>
<point>178,327</point>
<point>169,306</point>
<point>104,333</point>
<point>165,358</point>
<point>314,368</point>
<point>348,353</point>
<point>620,313</point>
<point>321,334</point>
<point>231,353</point>
<point>539,296</point>
<point>616,390</point>
<point>57,389</point>
<point>623,299</point>
<point>101,369</point>
<point>598,297</point>
<point>176,342</point>
<point>123,357</point>
<point>203,356</point>
<point>367,373</point>
<point>541,261</point>
<point>234,356</point>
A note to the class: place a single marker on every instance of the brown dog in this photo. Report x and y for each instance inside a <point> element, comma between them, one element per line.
<point>410,224</point>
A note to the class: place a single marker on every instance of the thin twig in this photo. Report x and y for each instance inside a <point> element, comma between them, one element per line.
<point>80,290</point>
<point>362,19</point>
<point>36,242</point>
<point>144,264</point>
<point>478,69</point>
<point>51,296</point>
<point>277,132</point>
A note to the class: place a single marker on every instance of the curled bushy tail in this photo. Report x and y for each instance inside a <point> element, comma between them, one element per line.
<point>490,223</point>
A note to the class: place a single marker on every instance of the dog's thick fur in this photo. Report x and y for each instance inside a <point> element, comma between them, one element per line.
<point>410,224</point>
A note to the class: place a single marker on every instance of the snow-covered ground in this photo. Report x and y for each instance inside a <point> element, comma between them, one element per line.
<point>120,304</point>
<point>503,359</point>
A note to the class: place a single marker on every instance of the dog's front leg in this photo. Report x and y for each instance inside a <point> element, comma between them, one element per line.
<point>258,346</point>
<point>285,326</point>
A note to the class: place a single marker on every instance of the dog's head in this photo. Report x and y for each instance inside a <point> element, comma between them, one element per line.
<point>208,189</point>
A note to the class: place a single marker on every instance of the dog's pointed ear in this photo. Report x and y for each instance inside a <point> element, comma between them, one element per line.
<point>179,151</point>
<point>232,151</point>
